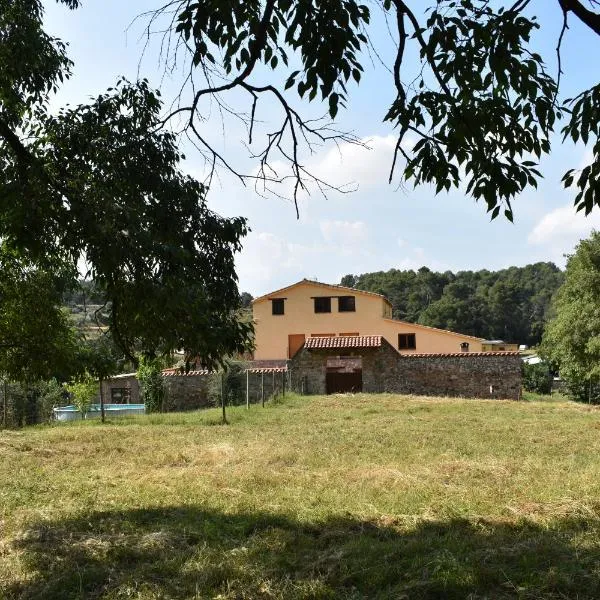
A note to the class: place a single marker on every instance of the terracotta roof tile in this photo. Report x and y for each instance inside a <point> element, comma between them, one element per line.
<point>182,373</point>
<point>459,354</point>
<point>267,370</point>
<point>362,341</point>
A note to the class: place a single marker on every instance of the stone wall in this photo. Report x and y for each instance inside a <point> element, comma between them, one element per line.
<point>186,392</point>
<point>307,371</point>
<point>120,382</point>
<point>476,376</point>
<point>470,375</point>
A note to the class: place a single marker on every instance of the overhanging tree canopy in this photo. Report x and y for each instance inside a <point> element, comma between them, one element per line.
<point>480,111</point>
<point>102,182</point>
<point>36,338</point>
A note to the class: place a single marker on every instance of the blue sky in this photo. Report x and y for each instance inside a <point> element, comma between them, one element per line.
<point>376,227</point>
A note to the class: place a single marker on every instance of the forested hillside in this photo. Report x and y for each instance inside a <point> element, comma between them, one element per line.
<point>511,304</point>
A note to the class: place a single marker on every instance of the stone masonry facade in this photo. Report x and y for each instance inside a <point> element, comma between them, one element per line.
<point>469,375</point>
<point>186,392</point>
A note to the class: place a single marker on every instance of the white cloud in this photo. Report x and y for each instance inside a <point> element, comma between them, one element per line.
<point>366,164</point>
<point>347,166</point>
<point>268,261</point>
<point>344,232</point>
<point>561,229</point>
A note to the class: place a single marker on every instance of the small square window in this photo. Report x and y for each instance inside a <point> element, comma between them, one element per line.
<point>278,306</point>
<point>323,304</point>
<point>407,341</point>
<point>346,304</point>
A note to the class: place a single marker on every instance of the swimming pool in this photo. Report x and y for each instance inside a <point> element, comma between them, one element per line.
<point>71,413</point>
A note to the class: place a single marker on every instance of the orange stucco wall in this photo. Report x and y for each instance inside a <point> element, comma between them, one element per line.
<point>370,318</point>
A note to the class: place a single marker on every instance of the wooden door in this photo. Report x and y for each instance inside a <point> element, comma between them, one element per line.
<point>343,383</point>
<point>295,342</point>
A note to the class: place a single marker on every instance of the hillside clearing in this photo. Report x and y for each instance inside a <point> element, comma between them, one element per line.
<point>316,497</point>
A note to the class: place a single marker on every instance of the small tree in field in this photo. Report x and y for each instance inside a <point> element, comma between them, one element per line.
<point>83,392</point>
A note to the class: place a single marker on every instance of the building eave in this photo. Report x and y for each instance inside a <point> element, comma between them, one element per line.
<point>427,327</point>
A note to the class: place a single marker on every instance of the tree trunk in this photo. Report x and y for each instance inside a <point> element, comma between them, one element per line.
<point>223,397</point>
<point>102,415</point>
<point>4,405</point>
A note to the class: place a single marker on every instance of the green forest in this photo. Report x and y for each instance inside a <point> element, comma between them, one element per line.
<point>511,304</point>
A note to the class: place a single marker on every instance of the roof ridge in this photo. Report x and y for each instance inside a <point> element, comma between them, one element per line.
<point>329,285</point>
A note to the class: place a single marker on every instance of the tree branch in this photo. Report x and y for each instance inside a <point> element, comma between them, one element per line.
<point>586,16</point>
<point>12,139</point>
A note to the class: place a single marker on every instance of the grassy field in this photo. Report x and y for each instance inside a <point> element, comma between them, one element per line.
<point>318,497</point>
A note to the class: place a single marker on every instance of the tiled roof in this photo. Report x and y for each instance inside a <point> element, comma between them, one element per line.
<point>458,354</point>
<point>267,370</point>
<point>327,285</point>
<point>182,373</point>
<point>361,341</point>
<point>419,326</point>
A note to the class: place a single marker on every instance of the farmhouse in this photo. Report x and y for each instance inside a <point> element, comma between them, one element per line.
<point>338,339</point>
<point>286,318</point>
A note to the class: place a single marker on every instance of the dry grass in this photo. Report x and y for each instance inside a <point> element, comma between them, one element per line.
<point>323,497</point>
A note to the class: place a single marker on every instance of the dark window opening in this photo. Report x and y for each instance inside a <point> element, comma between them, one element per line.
<point>323,304</point>
<point>120,395</point>
<point>346,304</point>
<point>278,306</point>
<point>407,341</point>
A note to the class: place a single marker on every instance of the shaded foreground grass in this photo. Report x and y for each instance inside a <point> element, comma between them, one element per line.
<point>338,497</point>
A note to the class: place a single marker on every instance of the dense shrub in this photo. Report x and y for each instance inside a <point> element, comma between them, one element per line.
<point>579,386</point>
<point>152,389</point>
<point>537,378</point>
<point>30,404</point>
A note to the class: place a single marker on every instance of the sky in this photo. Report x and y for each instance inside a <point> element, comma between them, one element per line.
<point>374,226</point>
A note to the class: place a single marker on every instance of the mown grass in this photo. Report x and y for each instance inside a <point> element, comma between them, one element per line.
<point>317,497</point>
<point>535,397</point>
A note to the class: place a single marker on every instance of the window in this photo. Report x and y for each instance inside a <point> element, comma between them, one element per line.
<point>322,335</point>
<point>120,395</point>
<point>323,304</point>
<point>353,334</point>
<point>346,304</point>
<point>407,341</point>
<point>278,307</point>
